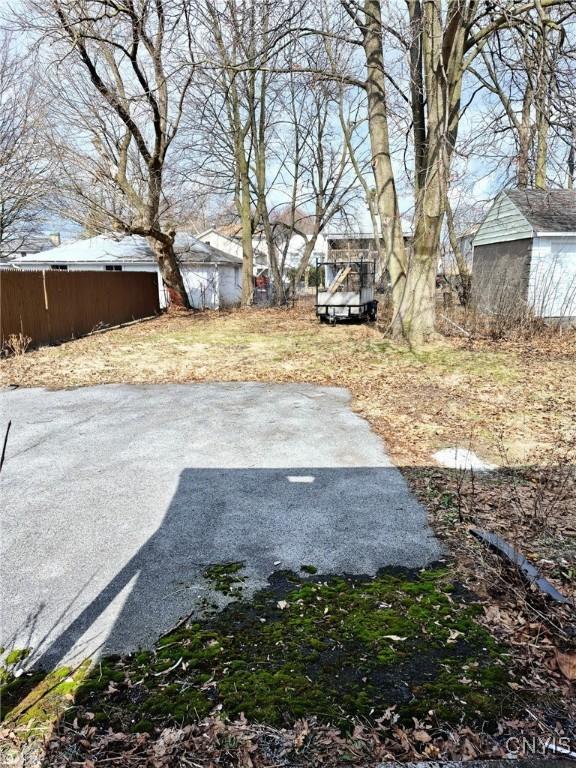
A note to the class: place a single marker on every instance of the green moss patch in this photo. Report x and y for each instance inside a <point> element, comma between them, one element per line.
<point>226,578</point>
<point>35,701</point>
<point>16,656</point>
<point>338,648</point>
<point>15,684</point>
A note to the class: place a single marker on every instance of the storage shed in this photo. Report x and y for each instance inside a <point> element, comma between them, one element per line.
<point>525,252</point>
<point>213,279</point>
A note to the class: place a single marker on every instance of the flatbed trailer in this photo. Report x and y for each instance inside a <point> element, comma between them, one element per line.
<point>347,290</point>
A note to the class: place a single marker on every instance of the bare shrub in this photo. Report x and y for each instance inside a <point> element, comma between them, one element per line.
<point>531,507</point>
<point>511,314</point>
<point>502,307</point>
<point>16,344</point>
<point>541,495</point>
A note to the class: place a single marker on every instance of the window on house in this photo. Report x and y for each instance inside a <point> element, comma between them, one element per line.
<point>63,267</point>
<point>237,275</point>
<point>113,268</point>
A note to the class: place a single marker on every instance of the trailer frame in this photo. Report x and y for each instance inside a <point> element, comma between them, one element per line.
<point>361,310</point>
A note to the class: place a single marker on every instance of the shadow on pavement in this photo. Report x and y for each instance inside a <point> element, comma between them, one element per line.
<point>340,520</point>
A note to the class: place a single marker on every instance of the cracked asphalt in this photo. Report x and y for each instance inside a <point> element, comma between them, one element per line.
<point>116,498</point>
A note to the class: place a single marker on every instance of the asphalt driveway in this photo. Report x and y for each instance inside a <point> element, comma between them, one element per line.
<point>116,498</point>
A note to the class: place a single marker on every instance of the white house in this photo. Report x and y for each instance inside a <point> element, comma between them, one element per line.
<point>293,244</point>
<point>213,279</point>
<point>233,246</point>
<point>27,245</point>
<point>525,251</point>
<point>359,242</point>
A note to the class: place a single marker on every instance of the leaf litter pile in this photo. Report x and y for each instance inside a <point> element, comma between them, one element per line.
<point>512,402</point>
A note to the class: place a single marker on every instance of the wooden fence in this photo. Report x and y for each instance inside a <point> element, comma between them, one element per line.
<point>49,306</point>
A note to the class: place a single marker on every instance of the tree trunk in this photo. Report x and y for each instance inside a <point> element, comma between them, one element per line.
<point>463,270</point>
<point>442,61</point>
<point>247,249</point>
<point>542,108</point>
<point>279,293</point>
<point>278,287</point>
<point>525,140</point>
<point>170,272</point>
<point>417,95</point>
<point>419,316</point>
<point>381,271</point>
<point>540,173</point>
<point>304,263</point>
<point>386,197</point>
<point>244,209</point>
<point>571,157</point>
<point>541,163</point>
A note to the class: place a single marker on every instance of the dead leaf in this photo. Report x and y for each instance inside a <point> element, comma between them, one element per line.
<point>422,736</point>
<point>567,664</point>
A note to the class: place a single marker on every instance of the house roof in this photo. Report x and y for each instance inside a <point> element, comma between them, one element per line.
<point>361,230</point>
<point>29,244</point>
<point>552,210</point>
<point>107,249</point>
<point>233,239</point>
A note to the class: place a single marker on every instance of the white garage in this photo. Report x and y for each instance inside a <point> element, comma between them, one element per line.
<point>213,279</point>
<point>525,253</point>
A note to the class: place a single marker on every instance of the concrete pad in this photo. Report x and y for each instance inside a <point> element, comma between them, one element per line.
<point>116,498</point>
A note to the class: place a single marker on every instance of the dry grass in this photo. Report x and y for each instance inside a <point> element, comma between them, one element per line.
<point>517,397</point>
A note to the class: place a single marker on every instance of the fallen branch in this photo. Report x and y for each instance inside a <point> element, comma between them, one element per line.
<point>527,570</point>
<point>4,445</point>
<point>459,327</point>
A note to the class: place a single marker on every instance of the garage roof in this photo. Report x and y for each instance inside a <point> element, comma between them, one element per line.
<point>552,210</point>
<point>130,249</point>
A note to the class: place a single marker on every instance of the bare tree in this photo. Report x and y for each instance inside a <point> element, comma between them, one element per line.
<point>24,168</point>
<point>367,19</point>
<point>260,124</point>
<point>230,54</point>
<point>518,66</point>
<point>440,42</point>
<point>267,135</point>
<point>122,70</point>
<point>314,167</point>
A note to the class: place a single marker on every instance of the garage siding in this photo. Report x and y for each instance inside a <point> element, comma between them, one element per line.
<point>500,274</point>
<point>552,288</point>
<point>504,222</point>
